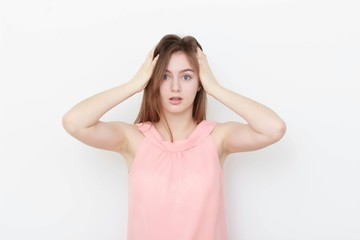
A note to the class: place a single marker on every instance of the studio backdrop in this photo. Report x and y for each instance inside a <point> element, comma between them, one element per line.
<point>300,58</point>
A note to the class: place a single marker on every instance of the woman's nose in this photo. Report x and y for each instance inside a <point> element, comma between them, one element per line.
<point>175,86</point>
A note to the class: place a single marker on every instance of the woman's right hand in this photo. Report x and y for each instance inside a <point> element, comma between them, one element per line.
<point>83,120</point>
<point>143,75</point>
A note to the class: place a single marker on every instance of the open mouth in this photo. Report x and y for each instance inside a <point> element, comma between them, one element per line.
<point>175,100</point>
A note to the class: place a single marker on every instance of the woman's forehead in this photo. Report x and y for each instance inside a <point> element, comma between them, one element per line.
<point>179,62</point>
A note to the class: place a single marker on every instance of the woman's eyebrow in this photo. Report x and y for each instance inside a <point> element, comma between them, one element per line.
<point>187,70</point>
<point>181,71</point>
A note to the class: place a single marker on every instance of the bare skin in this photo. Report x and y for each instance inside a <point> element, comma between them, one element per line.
<point>263,126</point>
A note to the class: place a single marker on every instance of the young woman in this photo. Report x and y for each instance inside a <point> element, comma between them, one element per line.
<point>175,156</point>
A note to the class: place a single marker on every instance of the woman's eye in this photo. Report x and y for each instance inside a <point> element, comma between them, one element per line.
<point>187,77</point>
<point>165,77</point>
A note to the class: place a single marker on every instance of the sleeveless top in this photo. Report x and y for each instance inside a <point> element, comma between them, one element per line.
<point>176,190</point>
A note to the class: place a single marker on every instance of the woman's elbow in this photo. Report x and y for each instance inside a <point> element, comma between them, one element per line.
<point>278,131</point>
<point>68,124</point>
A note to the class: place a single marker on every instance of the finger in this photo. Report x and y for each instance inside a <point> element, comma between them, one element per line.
<point>151,52</point>
<point>198,51</point>
<point>154,61</point>
<point>200,54</point>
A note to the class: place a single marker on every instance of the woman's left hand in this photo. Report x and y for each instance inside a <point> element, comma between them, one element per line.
<point>207,78</point>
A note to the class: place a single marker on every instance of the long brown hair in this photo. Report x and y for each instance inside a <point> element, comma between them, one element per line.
<point>151,108</point>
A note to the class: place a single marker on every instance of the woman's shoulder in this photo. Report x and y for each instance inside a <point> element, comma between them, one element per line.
<point>221,129</point>
<point>132,131</point>
<point>143,126</point>
<point>207,124</point>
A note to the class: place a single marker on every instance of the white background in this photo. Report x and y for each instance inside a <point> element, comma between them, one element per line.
<point>300,58</point>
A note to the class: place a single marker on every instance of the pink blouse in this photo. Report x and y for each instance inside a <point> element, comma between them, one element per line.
<point>176,190</point>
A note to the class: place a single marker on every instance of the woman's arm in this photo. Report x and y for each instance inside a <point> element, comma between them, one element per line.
<point>82,121</point>
<point>263,127</point>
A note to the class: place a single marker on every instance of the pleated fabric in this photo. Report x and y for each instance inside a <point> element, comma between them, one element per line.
<point>176,190</point>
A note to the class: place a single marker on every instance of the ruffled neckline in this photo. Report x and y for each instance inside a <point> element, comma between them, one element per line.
<point>200,132</point>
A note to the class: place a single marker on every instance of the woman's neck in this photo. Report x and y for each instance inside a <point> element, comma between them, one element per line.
<point>179,127</point>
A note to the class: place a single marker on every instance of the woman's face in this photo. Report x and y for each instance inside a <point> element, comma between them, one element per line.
<point>179,85</point>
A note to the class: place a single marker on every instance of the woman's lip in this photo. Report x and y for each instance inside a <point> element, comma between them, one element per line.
<point>175,100</point>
